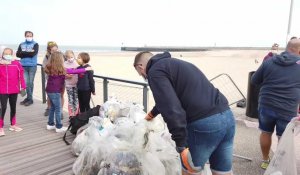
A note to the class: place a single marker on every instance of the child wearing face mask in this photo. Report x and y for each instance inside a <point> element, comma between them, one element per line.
<point>71,83</point>
<point>12,82</point>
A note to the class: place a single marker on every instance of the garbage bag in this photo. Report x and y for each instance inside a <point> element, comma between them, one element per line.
<point>121,163</point>
<point>284,159</point>
<point>89,135</point>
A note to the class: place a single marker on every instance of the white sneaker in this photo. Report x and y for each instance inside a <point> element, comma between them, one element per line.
<point>62,129</point>
<point>49,127</point>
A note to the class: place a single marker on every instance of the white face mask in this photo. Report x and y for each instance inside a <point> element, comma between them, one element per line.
<point>70,60</point>
<point>8,57</point>
<point>29,39</point>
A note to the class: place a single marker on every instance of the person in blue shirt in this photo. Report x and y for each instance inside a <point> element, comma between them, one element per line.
<point>28,52</point>
<point>279,96</point>
<point>197,114</point>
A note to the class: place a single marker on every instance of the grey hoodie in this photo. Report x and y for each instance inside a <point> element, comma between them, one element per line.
<point>279,78</point>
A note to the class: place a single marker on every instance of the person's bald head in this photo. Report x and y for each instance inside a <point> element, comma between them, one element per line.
<point>140,62</point>
<point>293,46</point>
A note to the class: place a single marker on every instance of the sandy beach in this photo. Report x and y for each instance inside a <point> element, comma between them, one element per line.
<point>236,63</point>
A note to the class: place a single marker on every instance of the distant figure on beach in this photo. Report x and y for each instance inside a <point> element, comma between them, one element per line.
<point>12,82</point>
<point>28,52</point>
<point>197,114</point>
<point>86,83</point>
<point>274,51</point>
<point>51,47</point>
<point>279,94</point>
<point>71,83</point>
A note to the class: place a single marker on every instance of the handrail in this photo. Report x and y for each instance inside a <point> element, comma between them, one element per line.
<point>105,87</point>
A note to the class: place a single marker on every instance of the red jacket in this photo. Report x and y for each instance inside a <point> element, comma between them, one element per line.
<point>11,77</point>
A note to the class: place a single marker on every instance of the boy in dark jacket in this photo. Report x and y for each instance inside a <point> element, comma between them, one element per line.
<point>197,114</point>
<point>85,84</point>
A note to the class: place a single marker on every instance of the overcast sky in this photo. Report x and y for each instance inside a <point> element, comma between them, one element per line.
<point>149,22</point>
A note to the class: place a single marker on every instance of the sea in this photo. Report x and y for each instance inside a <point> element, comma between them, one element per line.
<point>89,49</point>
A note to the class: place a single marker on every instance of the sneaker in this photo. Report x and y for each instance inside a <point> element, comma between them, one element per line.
<point>46,113</point>
<point>28,103</point>
<point>24,101</point>
<point>62,129</point>
<point>49,127</point>
<point>2,132</point>
<point>15,128</point>
<point>265,163</point>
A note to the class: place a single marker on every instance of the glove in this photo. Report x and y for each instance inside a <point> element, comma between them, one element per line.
<point>187,162</point>
<point>149,116</point>
<point>23,92</point>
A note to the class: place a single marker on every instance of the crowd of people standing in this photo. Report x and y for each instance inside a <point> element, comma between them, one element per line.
<point>63,71</point>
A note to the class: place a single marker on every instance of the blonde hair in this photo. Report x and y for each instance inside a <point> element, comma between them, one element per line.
<point>69,52</point>
<point>11,51</point>
<point>55,64</point>
<point>50,45</point>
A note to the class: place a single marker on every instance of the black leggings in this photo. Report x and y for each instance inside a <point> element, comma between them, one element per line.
<point>12,102</point>
<point>84,98</point>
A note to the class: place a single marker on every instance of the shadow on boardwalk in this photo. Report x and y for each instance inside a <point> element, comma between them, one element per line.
<point>36,151</point>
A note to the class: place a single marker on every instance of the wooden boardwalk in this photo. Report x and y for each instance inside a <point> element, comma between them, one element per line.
<point>35,150</point>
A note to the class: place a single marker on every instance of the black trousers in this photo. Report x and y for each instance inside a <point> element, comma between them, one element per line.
<point>84,98</point>
<point>12,102</point>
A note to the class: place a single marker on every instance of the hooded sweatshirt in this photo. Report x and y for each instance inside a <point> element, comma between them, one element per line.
<point>182,94</point>
<point>279,78</point>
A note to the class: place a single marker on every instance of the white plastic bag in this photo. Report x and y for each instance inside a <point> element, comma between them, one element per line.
<point>284,159</point>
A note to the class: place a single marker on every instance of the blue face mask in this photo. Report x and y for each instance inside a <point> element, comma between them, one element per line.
<point>8,57</point>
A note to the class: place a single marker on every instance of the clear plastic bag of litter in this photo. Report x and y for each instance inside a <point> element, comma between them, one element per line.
<point>163,148</point>
<point>113,109</point>
<point>284,160</point>
<point>87,136</point>
<point>89,161</point>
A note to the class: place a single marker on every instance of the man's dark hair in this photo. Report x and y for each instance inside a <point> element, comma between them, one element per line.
<point>28,32</point>
<point>139,56</point>
<point>294,37</point>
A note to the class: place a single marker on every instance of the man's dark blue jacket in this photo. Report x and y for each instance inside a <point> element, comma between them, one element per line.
<point>182,94</point>
<point>279,78</point>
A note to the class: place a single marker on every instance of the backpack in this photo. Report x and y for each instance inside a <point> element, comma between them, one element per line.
<point>80,120</point>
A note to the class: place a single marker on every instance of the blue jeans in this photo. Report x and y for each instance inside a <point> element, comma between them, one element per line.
<point>55,109</point>
<point>29,74</point>
<point>211,139</point>
<point>268,119</point>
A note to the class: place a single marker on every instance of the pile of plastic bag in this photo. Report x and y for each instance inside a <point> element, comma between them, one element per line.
<point>284,160</point>
<point>121,142</point>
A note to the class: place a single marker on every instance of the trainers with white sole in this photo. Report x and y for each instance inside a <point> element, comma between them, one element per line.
<point>62,129</point>
<point>49,127</point>
<point>15,128</point>
<point>2,133</point>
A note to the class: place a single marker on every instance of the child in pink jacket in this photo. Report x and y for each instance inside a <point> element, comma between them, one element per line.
<point>12,82</point>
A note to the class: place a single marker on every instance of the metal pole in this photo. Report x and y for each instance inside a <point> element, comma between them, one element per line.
<point>290,22</point>
<point>43,84</point>
<point>145,98</point>
<point>105,90</point>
